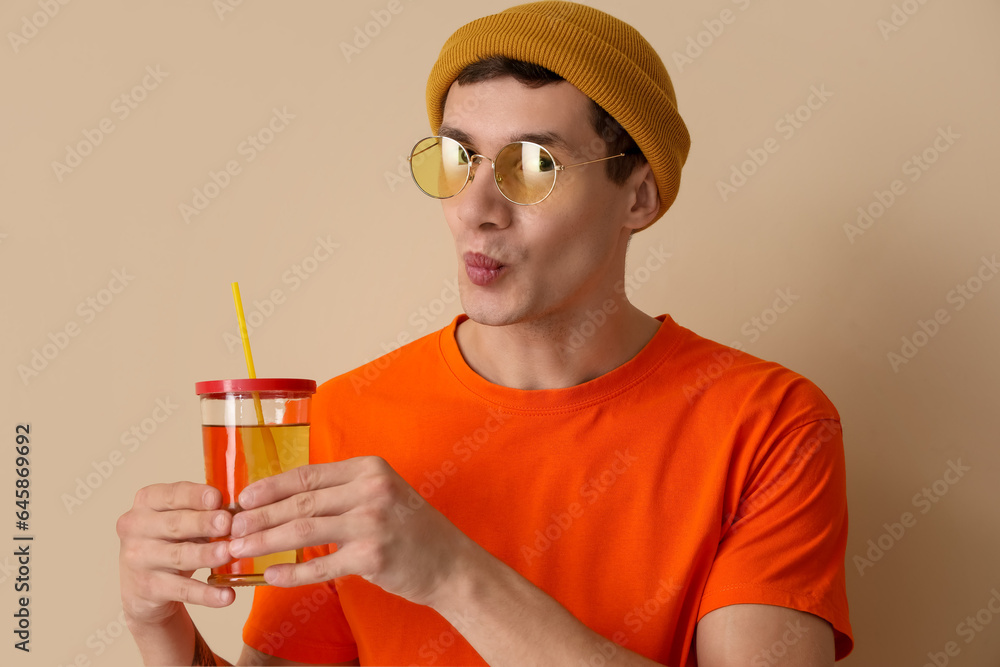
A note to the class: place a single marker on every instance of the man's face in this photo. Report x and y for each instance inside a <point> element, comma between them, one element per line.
<point>544,263</point>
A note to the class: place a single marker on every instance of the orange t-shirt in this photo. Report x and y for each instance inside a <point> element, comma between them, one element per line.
<point>691,477</point>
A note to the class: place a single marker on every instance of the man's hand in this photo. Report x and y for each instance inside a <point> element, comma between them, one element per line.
<point>164,539</point>
<point>384,530</point>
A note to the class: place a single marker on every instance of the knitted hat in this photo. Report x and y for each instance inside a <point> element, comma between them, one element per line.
<point>606,58</point>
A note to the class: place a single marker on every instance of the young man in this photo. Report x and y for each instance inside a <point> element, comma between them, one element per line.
<point>556,477</point>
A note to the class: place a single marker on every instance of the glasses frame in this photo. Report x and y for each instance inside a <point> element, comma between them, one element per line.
<point>476,159</point>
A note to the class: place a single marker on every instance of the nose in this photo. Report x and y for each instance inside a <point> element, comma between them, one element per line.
<point>481,203</point>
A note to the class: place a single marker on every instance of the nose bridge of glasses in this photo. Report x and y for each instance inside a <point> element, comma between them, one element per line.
<point>476,159</point>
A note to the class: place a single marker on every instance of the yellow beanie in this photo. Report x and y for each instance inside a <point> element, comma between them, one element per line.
<point>606,58</point>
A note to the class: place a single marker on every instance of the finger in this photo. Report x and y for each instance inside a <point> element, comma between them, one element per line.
<point>165,587</point>
<point>298,534</point>
<point>182,556</point>
<point>179,495</point>
<point>181,525</point>
<point>307,478</point>
<point>327,502</point>
<point>311,572</point>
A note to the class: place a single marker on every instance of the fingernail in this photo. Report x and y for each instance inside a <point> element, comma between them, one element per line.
<point>222,551</point>
<point>219,522</point>
<point>246,498</point>
<point>239,526</point>
<point>236,547</point>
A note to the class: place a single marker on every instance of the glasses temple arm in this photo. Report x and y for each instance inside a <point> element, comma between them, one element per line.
<point>580,164</point>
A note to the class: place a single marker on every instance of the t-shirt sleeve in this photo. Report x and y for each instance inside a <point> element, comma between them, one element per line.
<point>784,533</point>
<point>304,624</point>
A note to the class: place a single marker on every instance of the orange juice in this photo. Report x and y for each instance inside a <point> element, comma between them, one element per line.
<point>236,456</point>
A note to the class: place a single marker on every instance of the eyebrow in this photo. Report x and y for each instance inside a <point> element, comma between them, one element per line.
<point>547,139</point>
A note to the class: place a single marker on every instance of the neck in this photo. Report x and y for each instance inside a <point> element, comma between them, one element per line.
<point>557,351</point>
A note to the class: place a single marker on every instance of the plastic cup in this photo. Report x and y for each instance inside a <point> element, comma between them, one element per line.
<point>252,429</point>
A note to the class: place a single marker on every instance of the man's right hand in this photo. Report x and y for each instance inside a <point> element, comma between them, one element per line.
<point>164,539</point>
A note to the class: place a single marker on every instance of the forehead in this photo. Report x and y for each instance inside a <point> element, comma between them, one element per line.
<point>495,112</point>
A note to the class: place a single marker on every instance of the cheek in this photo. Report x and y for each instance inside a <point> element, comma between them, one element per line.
<point>450,213</point>
<point>586,194</point>
<point>572,246</point>
<point>582,225</point>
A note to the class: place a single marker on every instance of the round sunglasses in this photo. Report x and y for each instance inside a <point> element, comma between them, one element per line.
<point>525,172</point>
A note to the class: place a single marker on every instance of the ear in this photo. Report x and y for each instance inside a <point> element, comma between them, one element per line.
<point>644,197</point>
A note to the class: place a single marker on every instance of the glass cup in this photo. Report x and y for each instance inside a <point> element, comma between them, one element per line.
<point>252,429</point>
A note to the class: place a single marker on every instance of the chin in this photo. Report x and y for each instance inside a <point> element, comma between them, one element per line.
<point>490,317</point>
<point>490,312</point>
<point>498,308</point>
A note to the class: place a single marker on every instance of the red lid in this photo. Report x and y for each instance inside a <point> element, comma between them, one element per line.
<point>258,384</point>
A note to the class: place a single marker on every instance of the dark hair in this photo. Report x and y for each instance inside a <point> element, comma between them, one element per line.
<point>613,136</point>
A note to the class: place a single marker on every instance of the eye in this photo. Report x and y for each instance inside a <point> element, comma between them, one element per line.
<point>532,158</point>
<point>453,153</point>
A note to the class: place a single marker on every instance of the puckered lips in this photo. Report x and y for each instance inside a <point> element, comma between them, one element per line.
<point>482,269</point>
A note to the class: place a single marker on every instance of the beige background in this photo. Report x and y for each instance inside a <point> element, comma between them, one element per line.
<point>331,174</point>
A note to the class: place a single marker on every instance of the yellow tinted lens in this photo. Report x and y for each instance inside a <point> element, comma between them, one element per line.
<point>440,166</point>
<point>526,172</point>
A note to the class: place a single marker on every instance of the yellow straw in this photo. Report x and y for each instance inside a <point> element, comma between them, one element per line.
<point>270,450</point>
